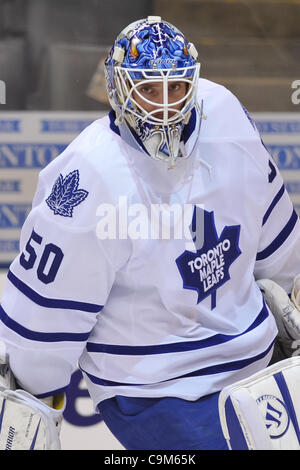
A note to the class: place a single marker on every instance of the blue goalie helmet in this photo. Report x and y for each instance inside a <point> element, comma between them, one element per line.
<point>151,75</point>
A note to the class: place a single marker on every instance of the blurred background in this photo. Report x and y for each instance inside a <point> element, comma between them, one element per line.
<point>50,49</point>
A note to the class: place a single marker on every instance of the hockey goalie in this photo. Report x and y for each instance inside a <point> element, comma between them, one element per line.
<point>167,328</point>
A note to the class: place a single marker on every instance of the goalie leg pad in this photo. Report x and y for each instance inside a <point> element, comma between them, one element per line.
<point>26,423</point>
<point>263,411</point>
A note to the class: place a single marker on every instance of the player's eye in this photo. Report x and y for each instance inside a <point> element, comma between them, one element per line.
<point>146,90</point>
<point>177,86</point>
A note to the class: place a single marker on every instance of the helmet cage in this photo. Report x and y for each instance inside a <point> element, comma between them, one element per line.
<point>153,51</point>
<point>129,80</point>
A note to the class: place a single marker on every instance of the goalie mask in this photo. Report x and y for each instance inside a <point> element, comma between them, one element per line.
<point>152,75</point>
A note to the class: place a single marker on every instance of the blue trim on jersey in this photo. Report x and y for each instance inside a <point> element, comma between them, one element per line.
<point>273,204</point>
<point>280,239</point>
<point>51,303</point>
<point>211,370</point>
<point>38,335</point>
<point>174,347</point>
<point>112,117</point>
<point>189,127</point>
<point>53,392</point>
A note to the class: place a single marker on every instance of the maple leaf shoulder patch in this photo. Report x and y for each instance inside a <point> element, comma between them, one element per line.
<point>207,269</point>
<point>65,194</point>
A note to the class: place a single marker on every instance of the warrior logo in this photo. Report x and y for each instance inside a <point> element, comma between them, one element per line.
<point>275,415</point>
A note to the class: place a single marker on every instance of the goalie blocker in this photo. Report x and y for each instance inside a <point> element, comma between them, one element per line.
<point>262,412</point>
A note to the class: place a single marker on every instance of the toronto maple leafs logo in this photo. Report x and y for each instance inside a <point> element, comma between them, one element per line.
<point>207,269</point>
<point>65,194</point>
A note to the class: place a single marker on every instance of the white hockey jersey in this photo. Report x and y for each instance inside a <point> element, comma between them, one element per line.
<point>106,279</point>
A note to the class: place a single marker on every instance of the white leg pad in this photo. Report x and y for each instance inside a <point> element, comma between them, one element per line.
<point>26,423</point>
<point>263,411</point>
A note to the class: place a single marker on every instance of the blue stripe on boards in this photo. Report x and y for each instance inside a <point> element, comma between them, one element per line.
<point>211,370</point>
<point>38,335</point>
<point>174,347</point>
<point>273,204</point>
<point>280,239</point>
<point>51,303</point>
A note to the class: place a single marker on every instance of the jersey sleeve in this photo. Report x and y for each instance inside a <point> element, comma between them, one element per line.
<point>56,288</point>
<point>278,254</point>
<point>278,248</point>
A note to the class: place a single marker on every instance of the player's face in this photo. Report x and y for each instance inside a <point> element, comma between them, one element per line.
<point>153,91</point>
